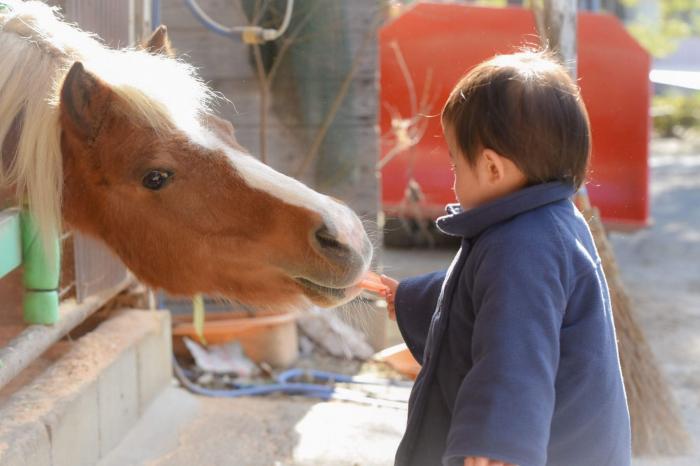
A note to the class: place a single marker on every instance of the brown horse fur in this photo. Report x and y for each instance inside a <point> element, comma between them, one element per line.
<point>223,224</point>
<point>159,42</point>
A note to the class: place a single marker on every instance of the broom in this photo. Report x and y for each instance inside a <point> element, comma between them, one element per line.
<point>657,428</point>
<point>656,425</point>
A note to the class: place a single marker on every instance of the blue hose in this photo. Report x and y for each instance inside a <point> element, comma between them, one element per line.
<point>331,377</point>
<point>214,27</point>
<point>284,385</point>
<point>291,388</point>
<point>286,376</point>
<point>251,34</point>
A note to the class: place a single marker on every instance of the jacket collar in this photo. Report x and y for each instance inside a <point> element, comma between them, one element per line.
<point>472,222</point>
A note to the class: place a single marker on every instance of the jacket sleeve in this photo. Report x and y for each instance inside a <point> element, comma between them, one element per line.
<point>415,303</point>
<point>505,403</point>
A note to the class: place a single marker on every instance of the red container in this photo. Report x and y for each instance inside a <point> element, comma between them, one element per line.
<point>439,43</point>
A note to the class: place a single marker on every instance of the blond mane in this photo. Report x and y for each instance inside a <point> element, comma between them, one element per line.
<point>37,48</point>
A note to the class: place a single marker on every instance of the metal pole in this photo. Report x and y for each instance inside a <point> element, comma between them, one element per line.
<point>155,14</point>
<point>556,23</point>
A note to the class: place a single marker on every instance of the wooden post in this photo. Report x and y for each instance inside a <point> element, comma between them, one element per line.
<point>556,23</point>
<point>41,273</point>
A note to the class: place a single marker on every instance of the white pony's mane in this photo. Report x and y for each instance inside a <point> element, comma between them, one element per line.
<point>37,48</point>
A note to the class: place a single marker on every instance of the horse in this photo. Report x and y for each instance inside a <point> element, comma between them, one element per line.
<point>124,145</point>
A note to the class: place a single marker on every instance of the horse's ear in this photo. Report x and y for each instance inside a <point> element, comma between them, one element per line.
<point>84,103</point>
<point>159,42</point>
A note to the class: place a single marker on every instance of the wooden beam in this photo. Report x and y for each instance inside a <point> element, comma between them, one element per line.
<point>556,23</point>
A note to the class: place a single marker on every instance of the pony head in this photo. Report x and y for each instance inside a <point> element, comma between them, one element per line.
<point>188,210</point>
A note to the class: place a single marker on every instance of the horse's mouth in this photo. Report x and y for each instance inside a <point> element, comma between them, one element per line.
<point>338,293</point>
<point>326,293</point>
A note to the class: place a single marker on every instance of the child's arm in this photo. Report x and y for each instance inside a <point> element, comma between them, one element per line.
<point>505,403</point>
<point>414,302</point>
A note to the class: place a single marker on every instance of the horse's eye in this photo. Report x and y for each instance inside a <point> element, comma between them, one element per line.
<point>156,179</point>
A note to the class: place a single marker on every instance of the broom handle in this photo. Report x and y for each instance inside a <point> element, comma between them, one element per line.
<point>581,199</point>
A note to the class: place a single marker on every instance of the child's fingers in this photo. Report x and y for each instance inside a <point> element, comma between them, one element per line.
<point>481,461</point>
<point>469,461</point>
<point>389,282</point>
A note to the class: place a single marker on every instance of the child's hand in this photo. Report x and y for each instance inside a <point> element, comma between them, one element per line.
<point>391,284</point>
<point>481,461</point>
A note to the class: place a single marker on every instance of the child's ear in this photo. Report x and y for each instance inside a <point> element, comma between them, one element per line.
<point>493,166</point>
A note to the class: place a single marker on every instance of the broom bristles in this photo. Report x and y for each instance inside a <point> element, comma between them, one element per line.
<point>657,428</point>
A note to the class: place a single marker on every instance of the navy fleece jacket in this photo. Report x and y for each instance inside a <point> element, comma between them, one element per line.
<point>516,341</point>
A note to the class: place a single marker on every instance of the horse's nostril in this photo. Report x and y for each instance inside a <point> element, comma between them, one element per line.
<point>339,260</point>
<point>327,240</point>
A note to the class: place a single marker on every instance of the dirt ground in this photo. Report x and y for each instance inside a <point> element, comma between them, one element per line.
<point>660,266</point>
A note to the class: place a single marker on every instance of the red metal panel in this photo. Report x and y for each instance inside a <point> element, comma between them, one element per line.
<point>449,39</point>
<point>614,79</point>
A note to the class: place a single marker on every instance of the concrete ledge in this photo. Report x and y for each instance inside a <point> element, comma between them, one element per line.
<point>25,444</point>
<point>118,400</point>
<point>83,405</point>
<point>154,362</point>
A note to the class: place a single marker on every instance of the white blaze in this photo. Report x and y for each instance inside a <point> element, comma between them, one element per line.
<point>257,175</point>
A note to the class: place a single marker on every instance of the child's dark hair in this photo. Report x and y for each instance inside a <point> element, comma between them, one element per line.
<point>525,107</point>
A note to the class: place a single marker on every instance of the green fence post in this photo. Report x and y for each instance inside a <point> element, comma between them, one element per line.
<point>41,274</point>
